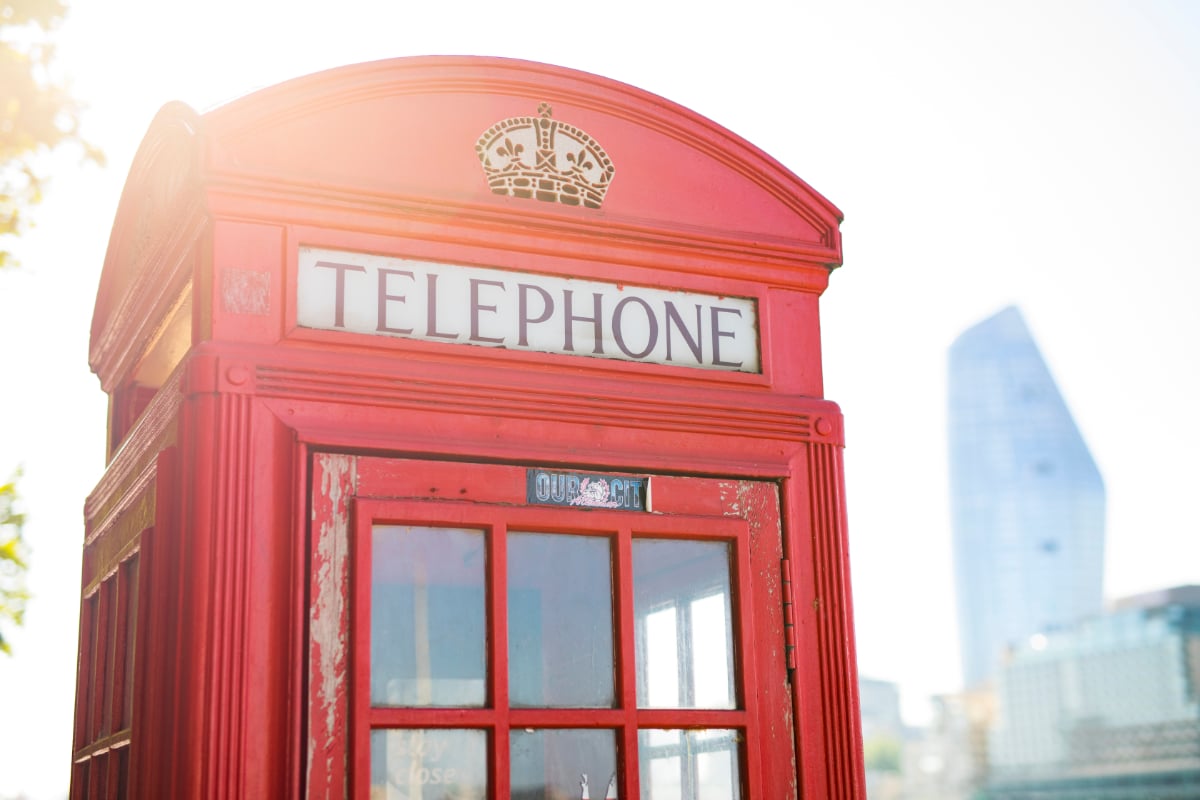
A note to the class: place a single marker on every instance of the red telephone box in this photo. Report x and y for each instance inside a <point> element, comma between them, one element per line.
<point>466,440</point>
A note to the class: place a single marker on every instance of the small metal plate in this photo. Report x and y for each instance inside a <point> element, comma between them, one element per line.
<point>586,490</point>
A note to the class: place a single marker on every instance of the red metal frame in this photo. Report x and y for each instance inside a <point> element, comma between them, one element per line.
<point>231,426</point>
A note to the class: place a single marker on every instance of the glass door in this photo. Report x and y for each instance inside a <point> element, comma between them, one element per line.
<point>505,651</point>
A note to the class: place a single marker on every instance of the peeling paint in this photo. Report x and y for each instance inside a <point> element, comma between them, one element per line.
<point>731,493</point>
<point>329,619</point>
<point>246,292</point>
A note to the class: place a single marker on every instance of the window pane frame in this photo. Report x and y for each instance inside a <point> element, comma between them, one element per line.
<point>565,543</point>
<point>497,718</point>
<point>409,540</point>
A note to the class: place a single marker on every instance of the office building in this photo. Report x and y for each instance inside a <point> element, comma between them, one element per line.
<point>1027,500</point>
<point>1107,709</point>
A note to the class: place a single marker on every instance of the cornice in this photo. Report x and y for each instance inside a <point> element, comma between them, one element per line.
<point>514,77</point>
<point>325,93</point>
<point>282,201</point>
<point>411,385</point>
<point>147,267</point>
<point>132,467</point>
<point>141,314</point>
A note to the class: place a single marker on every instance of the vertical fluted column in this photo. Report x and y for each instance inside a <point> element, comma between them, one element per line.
<point>827,703</point>
<point>216,527</point>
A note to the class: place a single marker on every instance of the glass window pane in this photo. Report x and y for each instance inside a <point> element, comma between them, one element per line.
<point>563,764</point>
<point>689,765</point>
<point>130,568</point>
<point>683,619</point>
<point>661,662</point>
<point>662,779</point>
<point>560,631</point>
<point>711,648</point>
<point>429,764</point>
<point>428,617</point>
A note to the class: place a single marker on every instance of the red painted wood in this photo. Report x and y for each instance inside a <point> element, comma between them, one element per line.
<point>245,527</point>
<point>79,738</point>
<point>327,700</point>
<point>499,699</point>
<point>625,656</point>
<point>669,159</point>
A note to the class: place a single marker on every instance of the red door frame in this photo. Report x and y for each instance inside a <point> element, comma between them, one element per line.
<point>768,760</point>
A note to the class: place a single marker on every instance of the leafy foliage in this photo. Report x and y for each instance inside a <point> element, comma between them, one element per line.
<point>882,754</point>
<point>37,113</point>
<point>13,552</point>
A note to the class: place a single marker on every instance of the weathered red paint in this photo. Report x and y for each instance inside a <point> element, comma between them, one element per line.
<point>244,449</point>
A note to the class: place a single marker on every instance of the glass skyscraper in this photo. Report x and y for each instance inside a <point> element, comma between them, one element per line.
<point>1027,501</point>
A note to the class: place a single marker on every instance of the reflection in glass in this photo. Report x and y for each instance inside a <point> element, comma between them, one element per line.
<point>683,623</point>
<point>434,764</point>
<point>689,765</point>
<point>560,631</point>
<point>563,764</point>
<point>427,617</point>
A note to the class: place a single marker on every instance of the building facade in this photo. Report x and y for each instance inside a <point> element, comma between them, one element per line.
<point>885,738</point>
<point>1027,500</point>
<point>1107,710</point>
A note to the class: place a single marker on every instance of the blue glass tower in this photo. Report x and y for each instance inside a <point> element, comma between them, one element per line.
<point>1027,501</point>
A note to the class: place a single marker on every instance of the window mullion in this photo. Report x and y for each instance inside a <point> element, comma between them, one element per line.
<point>627,677</point>
<point>683,653</point>
<point>498,764</point>
<point>498,610</point>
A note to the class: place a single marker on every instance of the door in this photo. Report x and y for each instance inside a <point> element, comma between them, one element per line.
<point>471,638</point>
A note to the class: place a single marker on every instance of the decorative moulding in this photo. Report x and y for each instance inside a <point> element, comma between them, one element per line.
<point>544,159</point>
<point>440,105</point>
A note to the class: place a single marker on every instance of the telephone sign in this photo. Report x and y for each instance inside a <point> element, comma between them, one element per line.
<point>376,294</point>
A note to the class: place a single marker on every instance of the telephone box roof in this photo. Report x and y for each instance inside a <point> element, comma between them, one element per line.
<point>433,138</point>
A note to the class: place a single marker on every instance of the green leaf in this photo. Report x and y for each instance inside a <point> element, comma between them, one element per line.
<point>37,114</point>
<point>13,559</point>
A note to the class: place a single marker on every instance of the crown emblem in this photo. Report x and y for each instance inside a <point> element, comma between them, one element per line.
<point>545,159</point>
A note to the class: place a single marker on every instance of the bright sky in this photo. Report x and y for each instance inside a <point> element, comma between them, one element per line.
<point>1029,152</point>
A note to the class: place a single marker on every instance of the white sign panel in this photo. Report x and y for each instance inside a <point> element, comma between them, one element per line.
<point>523,311</point>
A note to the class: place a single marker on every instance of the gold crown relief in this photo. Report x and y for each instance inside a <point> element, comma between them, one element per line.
<point>545,159</point>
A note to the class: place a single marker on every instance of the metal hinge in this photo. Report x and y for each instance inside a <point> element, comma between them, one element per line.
<point>789,622</point>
